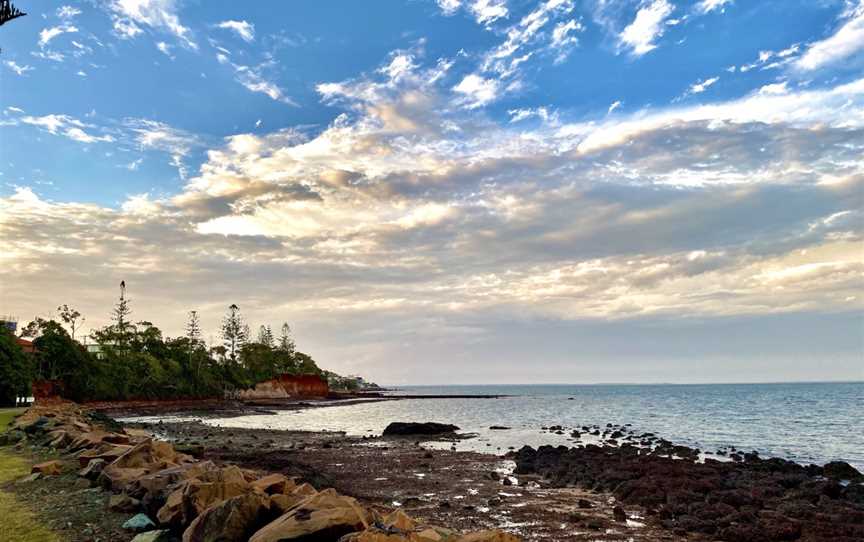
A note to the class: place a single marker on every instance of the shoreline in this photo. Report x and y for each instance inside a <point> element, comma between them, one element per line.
<point>643,488</point>
<point>565,489</point>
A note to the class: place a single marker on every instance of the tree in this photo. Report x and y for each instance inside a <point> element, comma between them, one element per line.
<point>265,336</point>
<point>8,12</point>
<point>193,328</point>
<point>71,318</point>
<point>15,369</point>
<point>235,332</point>
<point>34,328</point>
<point>193,334</point>
<point>120,315</point>
<point>286,343</point>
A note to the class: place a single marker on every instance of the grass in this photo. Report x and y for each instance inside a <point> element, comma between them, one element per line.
<point>17,522</point>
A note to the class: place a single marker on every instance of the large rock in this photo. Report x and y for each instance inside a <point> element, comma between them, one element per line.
<point>416,428</point>
<point>95,437</point>
<point>194,496</point>
<point>48,468</point>
<point>234,519</point>
<point>157,485</point>
<point>286,501</point>
<point>106,451</point>
<point>142,459</point>
<point>324,516</point>
<point>274,484</point>
<point>139,523</point>
<point>840,470</point>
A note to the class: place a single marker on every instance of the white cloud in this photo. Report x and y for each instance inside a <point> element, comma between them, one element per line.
<point>164,48</point>
<point>449,7</point>
<point>488,11</point>
<point>528,38</point>
<point>543,113</point>
<point>477,91</point>
<point>77,134</point>
<point>130,15</point>
<point>17,68</point>
<point>707,6</point>
<point>68,12</point>
<point>48,34</point>
<point>155,135</point>
<point>648,25</point>
<point>701,86</point>
<point>244,29</point>
<point>613,106</point>
<point>67,126</point>
<point>846,42</point>
<point>563,39</point>
<point>775,88</point>
<point>253,80</point>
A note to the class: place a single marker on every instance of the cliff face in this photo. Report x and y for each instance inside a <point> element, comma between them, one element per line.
<point>285,386</point>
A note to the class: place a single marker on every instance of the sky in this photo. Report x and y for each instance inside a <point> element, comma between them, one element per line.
<point>450,191</point>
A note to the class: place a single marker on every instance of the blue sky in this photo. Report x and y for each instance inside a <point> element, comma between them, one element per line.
<point>451,174</point>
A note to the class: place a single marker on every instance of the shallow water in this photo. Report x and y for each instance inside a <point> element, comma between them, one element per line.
<point>805,422</point>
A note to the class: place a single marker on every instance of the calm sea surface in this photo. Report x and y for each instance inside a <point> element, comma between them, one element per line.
<point>807,422</point>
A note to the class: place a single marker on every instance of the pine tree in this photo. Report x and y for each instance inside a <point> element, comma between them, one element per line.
<point>8,11</point>
<point>265,336</point>
<point>121,317</point>
<point>235,332</point>
<point>193,329</point>
<point>286,343</point>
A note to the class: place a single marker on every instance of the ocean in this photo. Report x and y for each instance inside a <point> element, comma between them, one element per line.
<point>804,422</point>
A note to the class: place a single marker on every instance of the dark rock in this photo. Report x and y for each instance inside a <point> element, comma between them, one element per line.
<point>619,514</point>
<point>499,428</point>
<point>416,428</point>
<point>840,470</point>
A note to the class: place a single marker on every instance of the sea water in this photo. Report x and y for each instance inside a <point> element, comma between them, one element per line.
<point>804,422</point>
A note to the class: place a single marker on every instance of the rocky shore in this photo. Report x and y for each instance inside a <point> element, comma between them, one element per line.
<point>171,495</point>
<point>746,499</point>
<point>617,485</point>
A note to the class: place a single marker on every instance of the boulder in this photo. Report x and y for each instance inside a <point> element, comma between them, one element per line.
<point>142,459</point>
<point>196,495</point>
<point>139,523</point>
<point>398,519</point>
<point>285,502</point>
<point>840,470</point>
<point>416,428</point>
<point>274,484</point>
<point>324,516</point>
<point>108,452</point>
<point>234,519</point>
<point>97,436</point>
<point>157,485</point>
<point>48,468</point>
